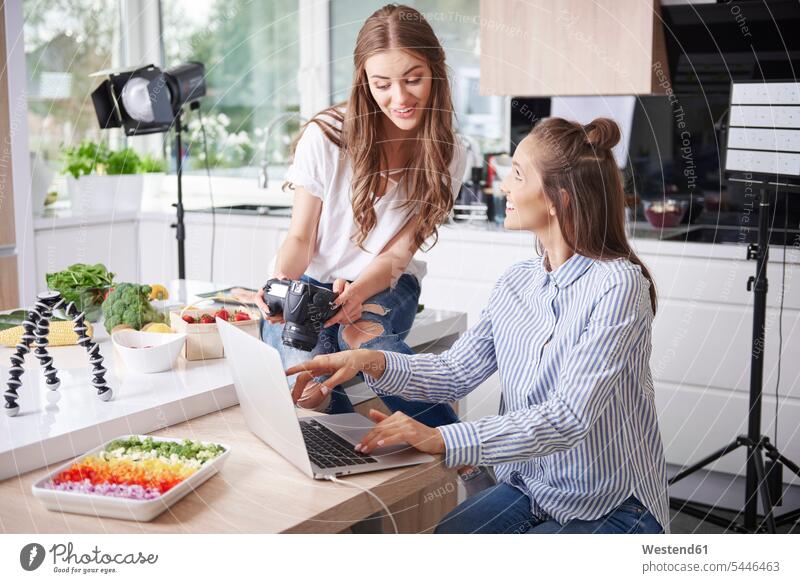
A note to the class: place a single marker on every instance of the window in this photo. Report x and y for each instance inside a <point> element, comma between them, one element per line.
<point>66,41</point>
<point>457,25</point>
<point>251,53</point>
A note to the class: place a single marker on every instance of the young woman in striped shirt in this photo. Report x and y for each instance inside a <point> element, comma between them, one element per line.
<point>576,445</point>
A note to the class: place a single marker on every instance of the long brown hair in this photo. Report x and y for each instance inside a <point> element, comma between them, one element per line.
<point>428,183</point>
<point>581,178</point>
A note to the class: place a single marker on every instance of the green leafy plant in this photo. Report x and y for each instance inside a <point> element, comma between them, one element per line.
<point>90,157</point>
<point>79,276</point>
<point>149,164</point>
<point>125,161</point>
<point>84,158</point>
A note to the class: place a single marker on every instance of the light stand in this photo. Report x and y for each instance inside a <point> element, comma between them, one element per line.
<point>147,100</point>
<point>180,230</point>
<point>754,157</point>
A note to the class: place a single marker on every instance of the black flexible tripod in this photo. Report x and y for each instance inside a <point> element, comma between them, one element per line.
<point>762,480</point>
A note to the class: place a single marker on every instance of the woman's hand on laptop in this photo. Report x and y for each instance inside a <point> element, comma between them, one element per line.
<point>400,428</point>
<point>339,367</point>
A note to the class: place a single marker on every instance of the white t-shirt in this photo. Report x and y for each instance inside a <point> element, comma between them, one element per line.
<point>319,168</point>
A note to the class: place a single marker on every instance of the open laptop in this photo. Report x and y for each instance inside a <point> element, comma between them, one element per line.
<point>318,445</point>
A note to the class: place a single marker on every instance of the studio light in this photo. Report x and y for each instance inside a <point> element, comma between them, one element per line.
<point>147,100</point>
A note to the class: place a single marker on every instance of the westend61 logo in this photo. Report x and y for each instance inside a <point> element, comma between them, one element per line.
<point>66,560</point>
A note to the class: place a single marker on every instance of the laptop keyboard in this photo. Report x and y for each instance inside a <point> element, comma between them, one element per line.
<point>328,450</point>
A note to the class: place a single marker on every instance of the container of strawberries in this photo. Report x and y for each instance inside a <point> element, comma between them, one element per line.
<point>200,326</point>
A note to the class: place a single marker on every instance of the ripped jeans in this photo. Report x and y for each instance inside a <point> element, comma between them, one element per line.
<point>394,310</point>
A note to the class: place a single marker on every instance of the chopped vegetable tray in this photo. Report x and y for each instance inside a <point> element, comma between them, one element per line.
<point>134,477</point>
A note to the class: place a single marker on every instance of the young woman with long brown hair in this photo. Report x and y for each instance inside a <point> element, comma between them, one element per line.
<point>373,178</point>
<point>576,445</point>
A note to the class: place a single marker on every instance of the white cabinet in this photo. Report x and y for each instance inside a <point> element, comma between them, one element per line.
<point>158,251</point>
<point>697,421</point>
<point>114,244</point>
<point>243,248</point>
<point>701,357</point>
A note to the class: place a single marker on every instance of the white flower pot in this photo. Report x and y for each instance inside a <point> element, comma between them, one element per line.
<point>152,184</point>
<point>97,194</point>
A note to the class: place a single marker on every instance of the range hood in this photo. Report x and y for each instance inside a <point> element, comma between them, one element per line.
<point>711,44</point>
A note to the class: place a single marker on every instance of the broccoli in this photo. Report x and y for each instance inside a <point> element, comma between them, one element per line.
<point>128,304</point>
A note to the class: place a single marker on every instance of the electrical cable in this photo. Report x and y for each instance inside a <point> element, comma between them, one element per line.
<point>371,493</point>
<point>780,313</point>
<point>210,190</point>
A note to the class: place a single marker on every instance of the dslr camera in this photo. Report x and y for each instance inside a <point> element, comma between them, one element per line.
<point>305,308</point>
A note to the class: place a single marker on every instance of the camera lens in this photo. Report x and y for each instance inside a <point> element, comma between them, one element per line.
<point>300,337</point>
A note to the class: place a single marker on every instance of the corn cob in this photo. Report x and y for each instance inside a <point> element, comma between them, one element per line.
<point>61,334</point>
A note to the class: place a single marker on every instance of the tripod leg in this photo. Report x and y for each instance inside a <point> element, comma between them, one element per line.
<point>758,463</point>
<point>43,310</point>
<point>705,461</point>
<point>17,363</point>
<point>773,452</point>
<point>788,518</point>
<point>104,392</point>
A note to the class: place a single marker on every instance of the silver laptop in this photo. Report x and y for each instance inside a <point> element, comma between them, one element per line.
<point>319,445</point>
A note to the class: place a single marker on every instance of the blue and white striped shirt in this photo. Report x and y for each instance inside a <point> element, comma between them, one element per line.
<point>577,429</point>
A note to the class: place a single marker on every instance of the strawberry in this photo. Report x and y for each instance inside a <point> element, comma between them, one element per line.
<point>241,316</point>
<point>207,319</point>
<point>223,314</point>
<point>188,319</point>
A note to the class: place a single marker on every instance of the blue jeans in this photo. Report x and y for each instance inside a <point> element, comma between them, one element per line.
<point>503,509</point>
<point>399,308</point>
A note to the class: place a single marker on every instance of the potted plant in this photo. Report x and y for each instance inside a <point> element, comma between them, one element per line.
<point>101,179</point>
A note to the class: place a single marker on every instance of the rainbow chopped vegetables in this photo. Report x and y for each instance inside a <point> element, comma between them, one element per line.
<point>134,468</point>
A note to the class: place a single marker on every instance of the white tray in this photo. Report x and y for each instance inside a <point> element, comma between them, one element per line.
<point>123,508</point>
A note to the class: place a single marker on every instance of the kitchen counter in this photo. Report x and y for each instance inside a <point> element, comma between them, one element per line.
<point>60,216</point>
<point>644,238</point>
<point>56,425</point>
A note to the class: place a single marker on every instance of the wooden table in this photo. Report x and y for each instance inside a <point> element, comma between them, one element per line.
<point>257,491</point>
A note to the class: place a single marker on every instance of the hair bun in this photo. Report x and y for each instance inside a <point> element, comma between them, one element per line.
<point>602,133</point>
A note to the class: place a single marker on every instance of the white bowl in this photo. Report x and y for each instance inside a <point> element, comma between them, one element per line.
<point>159,355</point>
